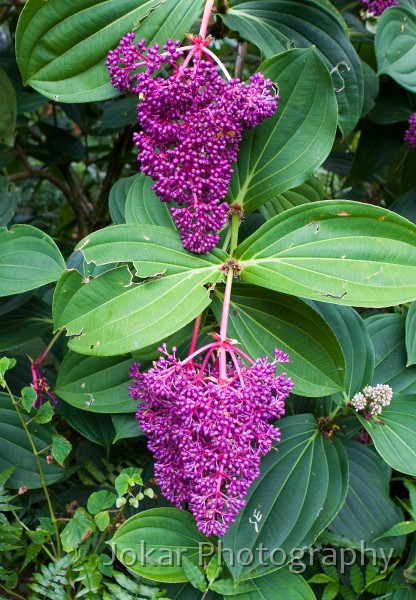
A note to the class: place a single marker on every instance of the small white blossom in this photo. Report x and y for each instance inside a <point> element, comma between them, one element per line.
<point>373,399</point>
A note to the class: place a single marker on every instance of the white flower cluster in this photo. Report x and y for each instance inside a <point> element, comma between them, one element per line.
<point>372,399</point>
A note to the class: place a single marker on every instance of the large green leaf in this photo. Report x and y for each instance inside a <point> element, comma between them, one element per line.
<point>275,25</point>
<point>15,448</point>
<point>368,510</point>
<point>411,335</point>
<point>393,433</point>
<point>111,315</point>
<point>185,591</point>
<point>310,191</point>
<point>165,534</point>
<point>395,46</point>
<point>355,342</point>
<point>262,320</point>
<point>19,326</point>
<point>280,585</point>
<point>387,333</point>
<point>300,490</point>
<point>117,199</point>
<point>337,251</point>
<point>28,259</point>
<point>8,110</point>
<point>96,428</point>
<point>144,207</point>
<point>95,383</point>
<point>286,149</point>
<point>61,46</point>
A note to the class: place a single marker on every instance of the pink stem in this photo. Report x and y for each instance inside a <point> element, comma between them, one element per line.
<point>244,355</point>
<point>195,333</point>
<point>191,356</point>
<point>224,324</point>
<point>205,18</point>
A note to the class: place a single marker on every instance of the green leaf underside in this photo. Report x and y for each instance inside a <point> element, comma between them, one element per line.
<point>94,427</point>
<point>300,489</point>
<point>287,148</point>
<point>161,529</point>
<point>104,380</point>
<point>144,207</point>
<point>8,110</point>
<point>411,335</point>
<point>15,449</point>
<point>310,191</point>
<point>263,320</point>
<point>29,321</point>
<point>387,333</point>
<point>29,259</point>
<point>393,433</point>
<point>276,25</point>
<point>62,46</point>
<point>395,46</point>
<point>342,252</point>
<point>368,511</point>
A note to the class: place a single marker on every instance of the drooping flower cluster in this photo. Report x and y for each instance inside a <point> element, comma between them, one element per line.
<point>208,434</point>
<point>191,124</point>
<point>372,399</point>
<point>376,7</point>
<point>410,134</point>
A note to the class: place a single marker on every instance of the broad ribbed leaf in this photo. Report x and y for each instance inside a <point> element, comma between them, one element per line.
<point>262,320</point>
<point>395,46</point>
<point>338,251</point>
<point>411,335</point>
<point>280,585</point>
<point>19,326</point>
<point>275,25</point>
<point>368,510</point>
<point>117,199</point>
<point>97,428</point>
<point>393,433</point>
<point>300,490</point>
<point>286,149</point>
<point>387,333</point>
<point>8,110</point>
<point>144,207</point>
<point>28,259</point>
<point>186,591</point>
<point>62,46</point>
<point>157,531</point>
<point>310,191</point>
<point>95,383</point>
<point>355,342</point>
<point>15,448</point>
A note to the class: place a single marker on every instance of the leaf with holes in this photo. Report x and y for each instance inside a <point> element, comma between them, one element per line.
<point>62,46</point>
<point>286,149</point>
<point>334,251</point>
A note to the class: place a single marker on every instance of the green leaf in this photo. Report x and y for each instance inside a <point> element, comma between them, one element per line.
<point>310,191</point>
<point>286,149</point>
<point>334,251</point>
<point>95,427</point>
<point>15,449</point>
<point>61,48</point>
<point>99,501</point>
<point>21,325</point>
<point>387,333</point>
<point>8,110</point>
<point>214,568</point>
<point>29,397</point>
<point>194,575</point>
<point>393,433</point>
<point>28,259</point>
<point>411,335</point>
<point>275,26</point>
<point>110,314</point>
<point>117,199</point>
<point>77,530</point>
<point>228,587</point>
<point>368,510</point>
<point>330,591</point>
<point>263,320</point>
<point>403,528</point>
<point>144,207</point>
<point>280,585</point>
<point>102,520</point>
<point>309,476</point>
<point>8,200</point>
<point>395,46</point>
<point>402,589</point>
<point>153,542</point>
<point>125,426</point>
<point>44,413</point>
<point>355,342</point>
<point>60,448</point>
<point>96,383</point>
<point>128,479</point>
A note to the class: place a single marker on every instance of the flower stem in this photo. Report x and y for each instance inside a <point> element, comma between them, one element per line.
<point>205,18</point>
<point>195,333</point>
<point>40,468</point>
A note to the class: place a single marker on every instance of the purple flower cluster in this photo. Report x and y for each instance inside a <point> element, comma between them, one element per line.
<point>376,7</point>
<point>207,434</point>
<point>191,124</point>
<point>410,134</point>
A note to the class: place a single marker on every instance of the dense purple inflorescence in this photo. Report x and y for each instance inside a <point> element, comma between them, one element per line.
<point>410,134</point>
<point>207,434</point>
<point>376,7</point>
<point>191,124</point>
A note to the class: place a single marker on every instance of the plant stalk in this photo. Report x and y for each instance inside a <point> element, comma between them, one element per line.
<point>205,18</point>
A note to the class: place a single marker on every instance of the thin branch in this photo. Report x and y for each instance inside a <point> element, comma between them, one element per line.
<point>38,174</point>
<point>239,62</point>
